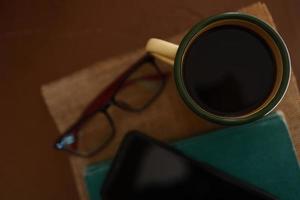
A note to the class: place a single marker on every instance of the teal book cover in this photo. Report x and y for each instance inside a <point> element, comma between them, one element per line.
<point>260,153</point>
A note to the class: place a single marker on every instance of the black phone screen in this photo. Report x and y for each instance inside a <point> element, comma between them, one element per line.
<point>146,169</point>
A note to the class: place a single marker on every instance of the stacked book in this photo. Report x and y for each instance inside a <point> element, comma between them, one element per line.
<point>260,153</point>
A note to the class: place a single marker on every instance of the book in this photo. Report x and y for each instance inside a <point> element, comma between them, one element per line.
<point>260,153</point>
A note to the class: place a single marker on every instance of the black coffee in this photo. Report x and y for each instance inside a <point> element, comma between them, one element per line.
<point>229,70</point>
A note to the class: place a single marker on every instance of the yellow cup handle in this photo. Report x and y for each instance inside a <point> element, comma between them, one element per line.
<point>162,50</point>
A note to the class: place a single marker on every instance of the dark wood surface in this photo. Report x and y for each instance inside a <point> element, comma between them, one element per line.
<point>41,41</point>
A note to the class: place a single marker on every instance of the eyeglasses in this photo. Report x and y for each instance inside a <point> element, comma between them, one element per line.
<point>133,91</point>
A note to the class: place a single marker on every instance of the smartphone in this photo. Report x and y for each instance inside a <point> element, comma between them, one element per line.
<point>147,169</point>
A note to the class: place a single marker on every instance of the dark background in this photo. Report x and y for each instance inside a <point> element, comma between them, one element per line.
<point>41,41</point>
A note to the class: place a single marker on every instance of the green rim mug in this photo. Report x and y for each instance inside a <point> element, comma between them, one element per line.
<point>174,54</point>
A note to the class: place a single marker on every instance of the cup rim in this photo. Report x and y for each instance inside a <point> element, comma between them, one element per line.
<point>190,102</point>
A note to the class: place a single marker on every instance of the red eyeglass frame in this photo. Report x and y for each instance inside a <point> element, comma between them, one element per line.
<point>106,98</point>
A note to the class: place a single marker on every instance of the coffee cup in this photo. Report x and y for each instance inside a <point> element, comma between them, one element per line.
<point>230,68</point>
